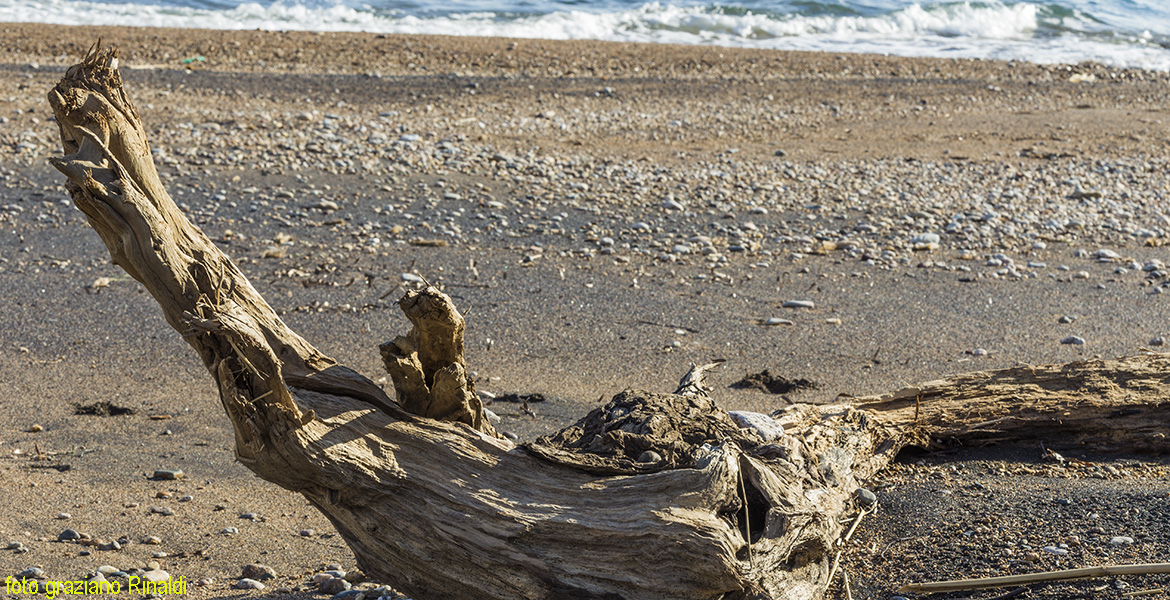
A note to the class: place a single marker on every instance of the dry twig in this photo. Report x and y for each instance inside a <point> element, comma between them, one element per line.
<point>994,582</point>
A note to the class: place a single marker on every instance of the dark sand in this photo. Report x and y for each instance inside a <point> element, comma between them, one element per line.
<point>576,326</point>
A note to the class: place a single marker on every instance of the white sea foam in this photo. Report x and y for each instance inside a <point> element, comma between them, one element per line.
<point>983,30</point>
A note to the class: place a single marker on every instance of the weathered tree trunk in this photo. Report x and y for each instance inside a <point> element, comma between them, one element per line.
<point>652,496</point>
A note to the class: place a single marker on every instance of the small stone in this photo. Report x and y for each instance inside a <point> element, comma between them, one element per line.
<point>672,204</point>
<point>333,585</point>
<point>799,304</point>
<point>412,278</point>
<point>774,321</point>
<point>650,456</point>
<point>152,565</point>
<point>165,511</point>
<point>979,352</point>
<point>1055,550</point>
<point>350,595</point>
<point>108,570</point>
<point>157,576</point>
<point>248,584</point>
<point>258,572</point>
<point>251,516</point>
<point>229,530</point>
<point>866,497</point>
<point>1066,319</point>
<point>1158,341</point>
<point>14,545</point>
<point>766,427</point>
<point>30,573</point>
<point>325,205</point>
<point>36,428</point>
<point>1121,540</point>
<point>150,540</point>
<point>168,474</point>
<point>64,516</point>
<point>1073,340</point>
<point>68,535</point>
<point>926,238</point>
<point>306,533</point>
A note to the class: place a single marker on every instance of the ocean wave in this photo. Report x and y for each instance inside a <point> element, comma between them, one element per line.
<point>1021,30</point>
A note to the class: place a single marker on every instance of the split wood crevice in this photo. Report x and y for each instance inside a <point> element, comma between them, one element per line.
<point>652,496</point>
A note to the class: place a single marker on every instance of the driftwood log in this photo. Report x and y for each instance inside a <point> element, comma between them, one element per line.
<point>652,496</point>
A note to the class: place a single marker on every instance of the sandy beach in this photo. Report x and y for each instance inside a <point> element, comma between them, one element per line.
<point>605,214</point>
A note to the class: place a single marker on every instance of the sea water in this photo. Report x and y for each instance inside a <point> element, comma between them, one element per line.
<point>1125,33</point>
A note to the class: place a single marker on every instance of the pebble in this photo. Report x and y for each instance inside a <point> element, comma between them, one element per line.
<point>774,321</point>
<point>248,584</point>
<point>229,530</point>
<point>15,545</point>
<point>866,497</point>
<point>1055,550</point>
<point>1121,540</point>
<point>157,576</point>
<point>1066,319</point>
<point>68,535</point>
<point>798,304</point>
<point>36,428</point>
<point>258,572</point>
<point>251,516</point>
<point>168,474</point>
<point>165,511</point>
<point>333,585</point>
<point>325,205</point>
<point>31,573</point>
<point>650,456</point>
<point>306,532</point>
<point>1073,340</point>
<point>64,516</point>
<point>768,428</point>
<point>150,540</point>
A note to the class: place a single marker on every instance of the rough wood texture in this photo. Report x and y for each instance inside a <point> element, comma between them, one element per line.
<point>1103,405</point>
<point>652,496</point>
<point>426,365</point>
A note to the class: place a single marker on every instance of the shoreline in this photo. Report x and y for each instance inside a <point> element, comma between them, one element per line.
<point>606,222</point>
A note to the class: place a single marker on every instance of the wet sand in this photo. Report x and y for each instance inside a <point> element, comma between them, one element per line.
<point>320,161</point>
